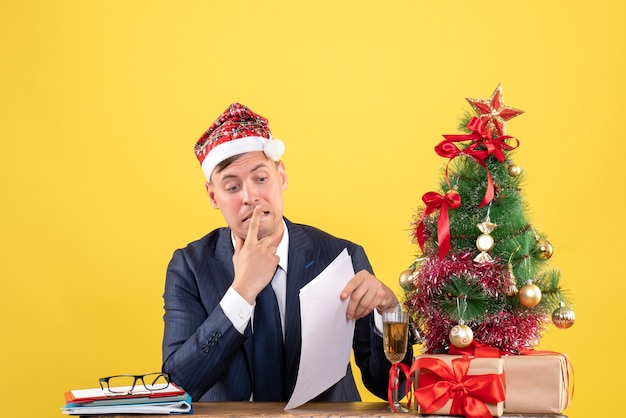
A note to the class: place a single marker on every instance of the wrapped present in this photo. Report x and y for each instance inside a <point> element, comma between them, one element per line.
<point>536,383</point>
<point>459,385</point>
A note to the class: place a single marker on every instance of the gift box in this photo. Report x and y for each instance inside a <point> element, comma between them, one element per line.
<point>459,385</point>
<point>536,383</point>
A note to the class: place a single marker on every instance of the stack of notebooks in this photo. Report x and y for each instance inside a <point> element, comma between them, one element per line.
<point>171,400</point>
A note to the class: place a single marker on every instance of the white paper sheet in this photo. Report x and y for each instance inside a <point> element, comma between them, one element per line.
<point>326,332</point>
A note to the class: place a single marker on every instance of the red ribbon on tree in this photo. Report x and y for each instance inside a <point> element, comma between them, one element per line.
<point>394,383</point>
<point>434,201</point>
<point>469,393</point>
<point>483,145</point>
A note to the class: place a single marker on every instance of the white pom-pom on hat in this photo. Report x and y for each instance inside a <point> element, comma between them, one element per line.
<point>274,149</point>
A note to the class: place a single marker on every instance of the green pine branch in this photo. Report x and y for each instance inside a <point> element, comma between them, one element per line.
<point>463,299</point>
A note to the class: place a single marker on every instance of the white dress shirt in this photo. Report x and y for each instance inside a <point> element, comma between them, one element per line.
<point>239,311</point>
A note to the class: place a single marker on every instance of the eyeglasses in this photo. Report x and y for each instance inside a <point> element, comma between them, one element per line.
<point>124,384</point>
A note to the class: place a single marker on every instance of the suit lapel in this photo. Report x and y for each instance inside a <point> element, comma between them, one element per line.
<point>303,256</point>
<point>224,272</point>
<point>222,266</point>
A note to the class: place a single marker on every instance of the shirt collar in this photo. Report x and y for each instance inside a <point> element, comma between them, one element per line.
<point>283,248</point>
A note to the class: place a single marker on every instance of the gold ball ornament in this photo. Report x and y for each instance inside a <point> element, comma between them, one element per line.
<point>453,190</point>
<point>461,336</point>
<point>406,279</point>
<point>529,295</point>
<point>563,317</point>
<point>514,170</point>
<point>544,249</point>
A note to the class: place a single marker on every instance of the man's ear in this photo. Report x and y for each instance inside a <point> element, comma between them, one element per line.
<point>283,174</point>
<point>211,194</point>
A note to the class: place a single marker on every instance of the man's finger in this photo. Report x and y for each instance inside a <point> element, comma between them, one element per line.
<point>253,227</point>
<point>352,284</point>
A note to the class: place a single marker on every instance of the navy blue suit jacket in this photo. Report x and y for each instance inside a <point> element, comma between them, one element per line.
<point>212,361</point>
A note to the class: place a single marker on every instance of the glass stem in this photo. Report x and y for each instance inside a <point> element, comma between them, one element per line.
<point>394,394</point>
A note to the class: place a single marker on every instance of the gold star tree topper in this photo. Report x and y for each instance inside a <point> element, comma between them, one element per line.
<point>493,111</point>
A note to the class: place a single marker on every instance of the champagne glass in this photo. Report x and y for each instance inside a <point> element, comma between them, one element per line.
<point>395,340</point>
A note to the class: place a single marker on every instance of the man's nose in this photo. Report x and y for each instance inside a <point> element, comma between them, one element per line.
<point>249,195</point>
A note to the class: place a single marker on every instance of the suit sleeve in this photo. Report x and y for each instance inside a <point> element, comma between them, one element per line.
<point>367,345</point>
<point>199,341</point>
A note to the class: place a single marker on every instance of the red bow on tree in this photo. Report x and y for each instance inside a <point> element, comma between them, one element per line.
<point>434,201</point>
<point>483,145</point>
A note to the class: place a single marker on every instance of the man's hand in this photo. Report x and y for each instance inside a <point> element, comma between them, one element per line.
<point>255,261</point>
<point>366,292</point>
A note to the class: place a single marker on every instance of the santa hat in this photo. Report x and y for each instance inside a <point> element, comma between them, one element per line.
<point>237,131</point>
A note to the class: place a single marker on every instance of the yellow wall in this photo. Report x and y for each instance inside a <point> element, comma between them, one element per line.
<point>102,101</point>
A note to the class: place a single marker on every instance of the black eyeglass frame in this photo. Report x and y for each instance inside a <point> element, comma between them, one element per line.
<point>104,382</point>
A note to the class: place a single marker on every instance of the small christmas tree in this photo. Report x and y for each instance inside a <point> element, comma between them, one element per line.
<point>483,270</point>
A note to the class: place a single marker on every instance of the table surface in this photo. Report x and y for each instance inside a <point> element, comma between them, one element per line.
<point>312,409</point>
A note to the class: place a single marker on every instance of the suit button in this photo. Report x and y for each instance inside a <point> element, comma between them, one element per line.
<point>212,341</point>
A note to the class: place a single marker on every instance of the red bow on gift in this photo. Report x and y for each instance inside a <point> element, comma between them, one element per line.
<point>434,201</point>
<point>469,393</point>
<point>483,145</point>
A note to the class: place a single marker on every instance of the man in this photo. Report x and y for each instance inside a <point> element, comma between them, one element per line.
<point>223,290</point>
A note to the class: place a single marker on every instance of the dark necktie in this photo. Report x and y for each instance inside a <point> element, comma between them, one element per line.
<point>268,348</point>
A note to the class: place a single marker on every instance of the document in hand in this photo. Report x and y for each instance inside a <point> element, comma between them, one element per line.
<point>326,332</point>
<point>172,400</point>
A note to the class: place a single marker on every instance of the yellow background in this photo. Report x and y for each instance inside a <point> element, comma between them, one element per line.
<point>102,101</point>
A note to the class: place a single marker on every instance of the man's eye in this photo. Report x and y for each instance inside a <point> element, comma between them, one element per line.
<point>262,179</point>
<point>232,188</point>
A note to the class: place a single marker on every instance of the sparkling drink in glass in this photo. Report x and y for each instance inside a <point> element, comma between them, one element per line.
<point>395,341</point>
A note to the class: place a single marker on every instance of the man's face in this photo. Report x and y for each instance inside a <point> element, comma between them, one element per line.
<point>251,180</point>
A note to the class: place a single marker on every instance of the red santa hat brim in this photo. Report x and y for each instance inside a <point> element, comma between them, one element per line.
<point>237,131</point>
<point>273,149</point>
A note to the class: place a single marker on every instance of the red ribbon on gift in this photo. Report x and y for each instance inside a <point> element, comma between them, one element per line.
<point>434,201</point>
<point>477,349</point>
<point>394,383</point>
<point>481,137</point>
<point>469,393</point>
